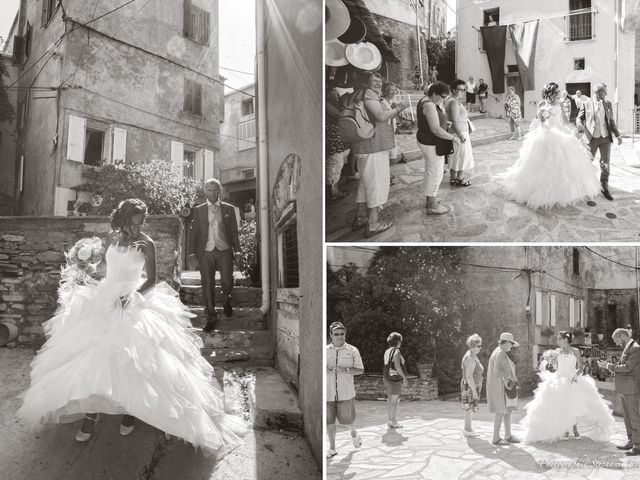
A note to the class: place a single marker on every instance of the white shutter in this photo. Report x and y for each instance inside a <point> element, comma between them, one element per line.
<point>208,164</point>
<point>119,150</point>
<point>552,310</point>
<point>177,158</point>
<point>198,165</point>
<point>21,175</point>
<point>583,317</point>
<point>538,308</point>
<point>75,138</point>
<point>572,312</point>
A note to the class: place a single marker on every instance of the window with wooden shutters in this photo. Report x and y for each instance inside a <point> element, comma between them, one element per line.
<point>27,41</point>
<point>18,50</point>
<point>192,97</point>
<point>48,9</point>
<point>196,23</point>
<point>247,107</point>
<point>246,135</point>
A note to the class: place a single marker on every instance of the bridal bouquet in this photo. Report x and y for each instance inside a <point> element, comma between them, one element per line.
<point>82,266</point>
<point>549,360</point>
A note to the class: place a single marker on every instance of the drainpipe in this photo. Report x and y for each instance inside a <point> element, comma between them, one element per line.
<point>618,25</point>
<point>263,159</point>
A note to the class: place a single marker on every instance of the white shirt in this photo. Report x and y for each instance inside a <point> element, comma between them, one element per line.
<point>215,238</point>
<point>340,385</point>
<point>600,129</point>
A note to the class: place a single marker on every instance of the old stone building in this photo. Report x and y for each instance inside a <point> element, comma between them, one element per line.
<point>238,152</point>
<point>578,43</point>
<point>402,23</point>
<point>102,84</point>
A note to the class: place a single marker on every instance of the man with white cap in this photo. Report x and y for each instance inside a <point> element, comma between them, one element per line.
<point>343,362</point>
<point>501,373</point>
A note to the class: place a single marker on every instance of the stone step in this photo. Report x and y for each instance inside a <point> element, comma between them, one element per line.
<point>236,338</point>
<point>192,277</point>
<point>261,356</point>
<point>242,318</point>
<point>272,404</point>
<point>240,296</point>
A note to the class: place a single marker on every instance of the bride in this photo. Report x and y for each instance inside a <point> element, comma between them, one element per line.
<point>123,346</point>
<point>566,401</point>
<point>554,167</point>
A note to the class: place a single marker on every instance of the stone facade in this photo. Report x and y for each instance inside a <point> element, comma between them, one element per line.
<point>611,309</point>
<point>371,387</point>
<point>239,155</point>
<point>128,87</point>
<point>8,143</point>
<point>32,252</point>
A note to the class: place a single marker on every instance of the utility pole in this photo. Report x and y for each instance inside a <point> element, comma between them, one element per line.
<point>415,4</point>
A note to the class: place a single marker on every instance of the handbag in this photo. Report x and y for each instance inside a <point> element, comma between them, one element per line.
<point>390,373</point>
<point>511,393</point>
<point>444,147</point>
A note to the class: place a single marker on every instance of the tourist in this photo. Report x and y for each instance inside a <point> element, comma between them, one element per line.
<point>471,383</point>
<point>461,161</point>
<point>394,377</point>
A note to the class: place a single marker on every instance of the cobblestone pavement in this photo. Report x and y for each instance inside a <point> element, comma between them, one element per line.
<point>483,213</point>
<point>431,446</point>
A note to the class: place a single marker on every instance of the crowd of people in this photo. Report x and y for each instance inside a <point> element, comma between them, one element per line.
<point>566,401</point>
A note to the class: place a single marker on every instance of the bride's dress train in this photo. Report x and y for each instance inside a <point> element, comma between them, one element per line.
<point>554,168</point>
<point>560,403</point>
<point>140,360</point>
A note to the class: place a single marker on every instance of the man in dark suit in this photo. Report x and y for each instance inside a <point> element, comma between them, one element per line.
<point>595,119</point>
<point>627,384</point>
<point>213,242</point>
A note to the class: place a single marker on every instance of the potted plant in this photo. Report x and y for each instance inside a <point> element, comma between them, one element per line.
<point>547,331</point>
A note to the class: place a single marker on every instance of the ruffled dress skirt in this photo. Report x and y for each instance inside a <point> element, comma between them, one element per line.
<point>554,170</point>
<point>559,404</point>
<point>142,360</point>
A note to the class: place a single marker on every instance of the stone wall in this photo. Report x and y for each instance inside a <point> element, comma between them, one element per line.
<point>31,253</point>
<point>611,309</point>
<point>371,387</point>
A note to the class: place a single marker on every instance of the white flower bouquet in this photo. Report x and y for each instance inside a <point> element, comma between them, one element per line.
<point>549,360</point>
<point>83,260</point>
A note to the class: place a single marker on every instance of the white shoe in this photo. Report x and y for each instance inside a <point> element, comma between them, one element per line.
<point>127,429</point>
<point>331,453</point>
<point>83,436</point>
<point>470,433</point>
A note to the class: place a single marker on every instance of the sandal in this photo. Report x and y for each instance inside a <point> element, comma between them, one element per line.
<point>331,453</point>
<point>463,182</point>
<point>359,222</point>
<point>382,227</point>
<point>500,441</point>
<point>85,436</point>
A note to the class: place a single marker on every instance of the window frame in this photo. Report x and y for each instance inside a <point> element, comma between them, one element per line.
<point>196,23</point>
<point>193,96</point>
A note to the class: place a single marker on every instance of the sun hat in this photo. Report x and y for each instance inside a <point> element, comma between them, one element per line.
<point>508,337</point>
<point>364,56</point>
<point>334,53</point>
<point>336,326</point>
<point>356,32</point>
<point>337,19</point>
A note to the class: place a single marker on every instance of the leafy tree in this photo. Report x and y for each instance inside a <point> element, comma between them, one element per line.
<point>154,182</point>
<point>7,112</point>
<point>441,52</point>
<point>416,291</point>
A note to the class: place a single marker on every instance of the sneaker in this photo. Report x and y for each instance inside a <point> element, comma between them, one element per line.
<point>470,433</point>
<point>357,441</point>
<point>440,210</point>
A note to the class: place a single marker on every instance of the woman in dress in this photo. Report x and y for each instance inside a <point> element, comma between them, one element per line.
<point>432,137</point>
<point>124,346</point>
<point>501,373</point>
<point>566,400</point>
<point>471,383</point>
<point>513,113</point>
<point>336,149</point>
<point>394,367</point>
<point>372,158</point>
<point>554,168</point>
<point>461,160</point>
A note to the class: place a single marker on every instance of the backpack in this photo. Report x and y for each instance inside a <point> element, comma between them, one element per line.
<point>354,123</point>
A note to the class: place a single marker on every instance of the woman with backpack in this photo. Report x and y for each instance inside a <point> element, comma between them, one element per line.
<point>372,156</point>
<point>394,377</point>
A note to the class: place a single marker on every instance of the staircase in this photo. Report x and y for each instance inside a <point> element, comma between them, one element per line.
<point>241,347</point>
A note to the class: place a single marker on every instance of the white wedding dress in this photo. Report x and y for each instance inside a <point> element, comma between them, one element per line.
<point>142,360</point>
<point>554,167</point>
<point>563,400</point>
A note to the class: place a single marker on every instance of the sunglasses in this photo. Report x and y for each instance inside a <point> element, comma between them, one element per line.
<point>338,334</point>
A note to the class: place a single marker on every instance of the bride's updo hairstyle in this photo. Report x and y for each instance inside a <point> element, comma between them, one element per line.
<point>549,89</point>
<point>566,335</point>
<point>121,216</point>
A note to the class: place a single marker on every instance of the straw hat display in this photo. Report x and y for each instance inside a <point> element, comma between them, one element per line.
<point>364,56</point>
<point>334,53</point>
<point>336,19</point>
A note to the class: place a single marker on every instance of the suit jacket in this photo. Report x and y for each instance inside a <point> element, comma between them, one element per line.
<point>200,228</point>
<point>627,370</point>
<point>587,117</point>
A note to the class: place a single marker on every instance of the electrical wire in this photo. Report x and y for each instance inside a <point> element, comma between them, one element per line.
<point>633,267</point>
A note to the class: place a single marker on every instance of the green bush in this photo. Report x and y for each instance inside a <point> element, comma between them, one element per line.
<point>247,261</point>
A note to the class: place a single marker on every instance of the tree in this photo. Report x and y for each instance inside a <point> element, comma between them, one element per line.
<point>7,112</point>
<point>416,291</point>
<point>441,52</point>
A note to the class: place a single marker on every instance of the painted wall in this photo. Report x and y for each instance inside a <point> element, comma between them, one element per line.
<point>554,56</point>
<point>234,161</point>
<point>134,81</point>
<point>294,71</point>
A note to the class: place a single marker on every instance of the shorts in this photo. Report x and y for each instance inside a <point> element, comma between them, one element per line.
<point>392,388</point>
<point>343,410</point>
<point>471,97</point>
